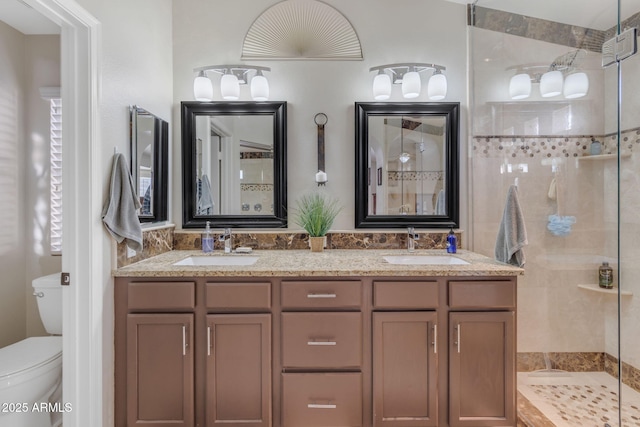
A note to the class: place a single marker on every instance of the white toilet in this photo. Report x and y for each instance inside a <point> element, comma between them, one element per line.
<point>31,369</point>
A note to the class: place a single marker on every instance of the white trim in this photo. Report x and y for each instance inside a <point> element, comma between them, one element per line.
<point>82,244</point>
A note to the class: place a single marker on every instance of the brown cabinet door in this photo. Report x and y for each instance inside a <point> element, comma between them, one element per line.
<point>482,378</point>
<point>160,370</point>
<point>405,391</point>
<point>239,370</point>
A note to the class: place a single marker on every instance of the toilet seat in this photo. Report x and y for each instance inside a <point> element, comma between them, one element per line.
<point>28,354</point>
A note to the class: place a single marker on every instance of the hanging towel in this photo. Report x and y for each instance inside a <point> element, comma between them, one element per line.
<point>205,200</point>
<point>441,208</point>
<point>512,234</point>
<point>120,212</point>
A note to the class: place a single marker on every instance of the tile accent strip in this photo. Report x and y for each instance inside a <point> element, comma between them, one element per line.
<point>529,415</point>
<point>572,362</point>
<point>630,374</point>
<point>538,29</point>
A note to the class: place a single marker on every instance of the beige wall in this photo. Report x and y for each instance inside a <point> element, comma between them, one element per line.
<point>210,33</point>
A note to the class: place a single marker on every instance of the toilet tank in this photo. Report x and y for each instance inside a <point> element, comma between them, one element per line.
<point>48,292</point>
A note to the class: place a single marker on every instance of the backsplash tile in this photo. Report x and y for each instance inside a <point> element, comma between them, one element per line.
<point>154,242</point>
<point>187,240</point>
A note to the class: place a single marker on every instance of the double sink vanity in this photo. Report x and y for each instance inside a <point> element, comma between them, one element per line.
<point>293,338</point>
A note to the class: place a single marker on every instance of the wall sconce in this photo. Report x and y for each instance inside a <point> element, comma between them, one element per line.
<point>561,77</point>
<point>409,76</point>
<point>232,77</point>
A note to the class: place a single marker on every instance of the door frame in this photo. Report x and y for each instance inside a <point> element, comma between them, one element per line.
<point>84,371</point>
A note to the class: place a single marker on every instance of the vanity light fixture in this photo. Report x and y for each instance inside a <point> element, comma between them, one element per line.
<point>551,78</point>
<point>409,76</point>
<point>232,76</point>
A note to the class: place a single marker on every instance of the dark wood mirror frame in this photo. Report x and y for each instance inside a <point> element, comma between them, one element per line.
<point>160,160</point>
<point>189,111</point>
<point>365,110</point>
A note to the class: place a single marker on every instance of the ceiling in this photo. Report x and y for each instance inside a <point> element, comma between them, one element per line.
<point>24,19</point>
<point>596,14</point>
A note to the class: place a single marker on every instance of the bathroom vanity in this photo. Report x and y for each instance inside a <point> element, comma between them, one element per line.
<point>296,339</point>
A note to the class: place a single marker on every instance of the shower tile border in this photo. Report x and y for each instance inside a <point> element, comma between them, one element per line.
<point>630,374</point>
<point>529,415</point>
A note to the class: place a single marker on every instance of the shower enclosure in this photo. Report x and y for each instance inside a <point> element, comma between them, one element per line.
<point>549,117</point>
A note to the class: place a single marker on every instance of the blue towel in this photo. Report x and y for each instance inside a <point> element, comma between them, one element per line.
<point>120,212</point>
<point>512,233</point>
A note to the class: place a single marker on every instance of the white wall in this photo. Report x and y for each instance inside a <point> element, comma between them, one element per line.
<point>12,187</point>
<point>210,33</point>
<point>42,69</point>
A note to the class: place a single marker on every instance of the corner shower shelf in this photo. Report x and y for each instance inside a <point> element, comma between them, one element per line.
<point>604,156</point>
<point>596,288</point>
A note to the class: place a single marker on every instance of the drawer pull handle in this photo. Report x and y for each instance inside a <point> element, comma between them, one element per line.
<point>435,339</point>
<point>321,406</point>
<point>457,341</point>
<point>208,340</point>
<point>321,295</point>
<point>322,343</point>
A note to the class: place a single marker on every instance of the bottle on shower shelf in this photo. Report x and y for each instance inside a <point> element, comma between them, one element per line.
<point>605,276</point>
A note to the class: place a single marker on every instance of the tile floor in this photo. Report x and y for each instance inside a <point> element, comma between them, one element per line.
<point>580,399</point>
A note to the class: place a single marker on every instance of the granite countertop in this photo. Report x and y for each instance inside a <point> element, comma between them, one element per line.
<point>334,262</point>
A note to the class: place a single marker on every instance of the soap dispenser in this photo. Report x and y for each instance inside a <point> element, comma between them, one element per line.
<point>207,239</point>
<point>452,242</point>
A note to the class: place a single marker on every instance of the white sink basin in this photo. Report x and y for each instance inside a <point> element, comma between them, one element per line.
<point>425,260</point>
<point>218,260</point>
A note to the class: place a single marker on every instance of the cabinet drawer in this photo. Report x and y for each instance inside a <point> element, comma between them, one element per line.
<point>482,294</point>
<point>321,340</point>
<point>161,296</point>
<point>240,296</point>
<point>322,294</point>
<point>391,294</point>
<point>322,399</point>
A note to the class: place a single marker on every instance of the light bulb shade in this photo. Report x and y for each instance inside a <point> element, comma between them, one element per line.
<point>259,88</point>
<point>551,84</point>
<point>381,87</point>
<point>411,85</point>
<point>202,89</point>
<point>576,85</point>
<point>229,87</point>
<point>520,86</point>
<point>437,87</point>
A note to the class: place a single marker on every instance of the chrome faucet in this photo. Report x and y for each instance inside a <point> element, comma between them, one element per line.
<point>412,236</point>
<point>227,238</point>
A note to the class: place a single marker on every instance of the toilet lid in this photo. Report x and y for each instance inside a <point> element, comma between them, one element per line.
<point>28,353</point>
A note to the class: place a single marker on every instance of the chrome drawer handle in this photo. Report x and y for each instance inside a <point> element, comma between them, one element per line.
<point>321,295</point>
<point>435,339</point>
<point>322,343</point>
<point>208,340</point>
<point>184,340</point>
<point>320,406</point>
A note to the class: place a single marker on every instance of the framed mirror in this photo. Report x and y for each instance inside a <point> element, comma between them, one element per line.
<point>234,164</point>
<point>149,136</point>
<point>407,165</point>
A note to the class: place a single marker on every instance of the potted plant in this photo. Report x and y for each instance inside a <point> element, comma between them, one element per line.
<point>315,213</point>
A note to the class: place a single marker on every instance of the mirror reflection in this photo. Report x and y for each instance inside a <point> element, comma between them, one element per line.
<point>406,165</point>
<point>234,164</point>
<point>407,154</point>
<point>149,151</point>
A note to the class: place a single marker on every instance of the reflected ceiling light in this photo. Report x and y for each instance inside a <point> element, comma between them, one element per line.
<point>232,76</point>
<point>409,76</point>
<point>551,78</point>
<point>551,84</point>
<point>576,85</point>
<point>520,86</point>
